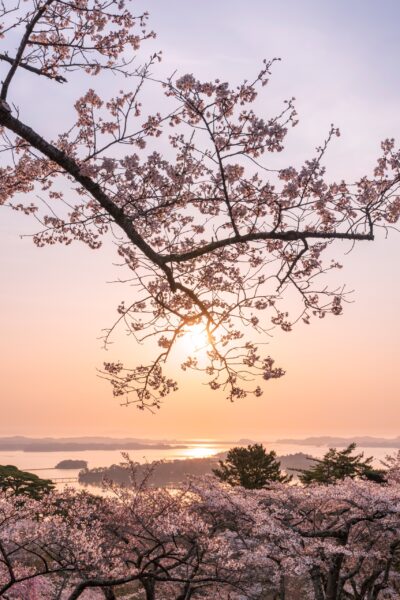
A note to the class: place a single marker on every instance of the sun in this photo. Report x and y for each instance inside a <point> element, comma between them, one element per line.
<point>195,339</point>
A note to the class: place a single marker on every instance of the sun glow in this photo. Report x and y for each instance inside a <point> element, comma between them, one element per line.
<point>201,451</point>
<point>195,339</point>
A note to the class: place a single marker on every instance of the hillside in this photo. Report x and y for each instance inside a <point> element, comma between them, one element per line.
<point>172,472</point>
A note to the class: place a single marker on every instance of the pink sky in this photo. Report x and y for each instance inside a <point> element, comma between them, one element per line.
<point>342,373</point>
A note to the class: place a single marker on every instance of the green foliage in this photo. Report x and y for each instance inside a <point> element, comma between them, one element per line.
<point>252,467</point>
<point>22,483</point>
<point>337,465</point>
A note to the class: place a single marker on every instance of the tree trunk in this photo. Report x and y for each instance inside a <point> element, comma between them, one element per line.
<point>332,587</point>
<point>109,593</point>
<point>317,584</point>
<point>149,586</point>
<point>187,592</point>
<point>282,588</point>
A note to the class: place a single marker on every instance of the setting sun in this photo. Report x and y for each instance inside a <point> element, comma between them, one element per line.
<point>195,339</point>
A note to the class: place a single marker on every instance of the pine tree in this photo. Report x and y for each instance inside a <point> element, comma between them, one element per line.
<point>23,483</point>
<point>252,467</point>
<point>338,465</point>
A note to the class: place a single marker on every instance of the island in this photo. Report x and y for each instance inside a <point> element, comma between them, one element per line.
<point>169,473</point>
<point>72,464</point>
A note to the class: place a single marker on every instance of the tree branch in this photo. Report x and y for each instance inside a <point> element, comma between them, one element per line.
<point>29,28</point>
<point>11,61</point>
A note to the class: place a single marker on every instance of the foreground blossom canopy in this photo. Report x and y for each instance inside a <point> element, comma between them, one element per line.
<point>205,540</point>
<point>212,235</point>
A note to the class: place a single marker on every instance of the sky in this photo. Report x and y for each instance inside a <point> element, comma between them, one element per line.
<point>340,61</point>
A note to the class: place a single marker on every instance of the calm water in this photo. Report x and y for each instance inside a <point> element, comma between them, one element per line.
<point>43,463</point>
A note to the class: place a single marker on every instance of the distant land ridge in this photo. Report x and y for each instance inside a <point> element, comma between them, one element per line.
<point>339,442</point>
<point>27,444</point>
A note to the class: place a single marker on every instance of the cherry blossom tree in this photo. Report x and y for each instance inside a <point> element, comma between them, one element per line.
<point>155,544</point>
<point>351,537</point>
<point>23,554</point>
<point>211,235</point>
<point>205,540</point>
<point>392,465</point>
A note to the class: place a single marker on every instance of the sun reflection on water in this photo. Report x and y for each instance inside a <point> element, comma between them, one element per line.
<point>200,451</point>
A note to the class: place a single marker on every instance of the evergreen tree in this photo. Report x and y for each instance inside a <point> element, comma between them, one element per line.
<point>252,467</point>
<point>339,464</point>
<point>23,483</point>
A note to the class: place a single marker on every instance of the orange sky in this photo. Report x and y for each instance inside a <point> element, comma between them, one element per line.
<point>342,373</point>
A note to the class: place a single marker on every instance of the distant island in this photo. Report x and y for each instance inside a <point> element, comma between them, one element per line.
<point>71,464</point>
<point>85,443</point>
<point>341,442</point>
<point>173,472</point>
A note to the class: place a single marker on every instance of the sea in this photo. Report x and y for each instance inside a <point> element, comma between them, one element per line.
<point>43,463</point>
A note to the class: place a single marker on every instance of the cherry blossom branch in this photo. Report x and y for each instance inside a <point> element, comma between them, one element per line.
<point>27,67</point>
<point>25,39</point>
